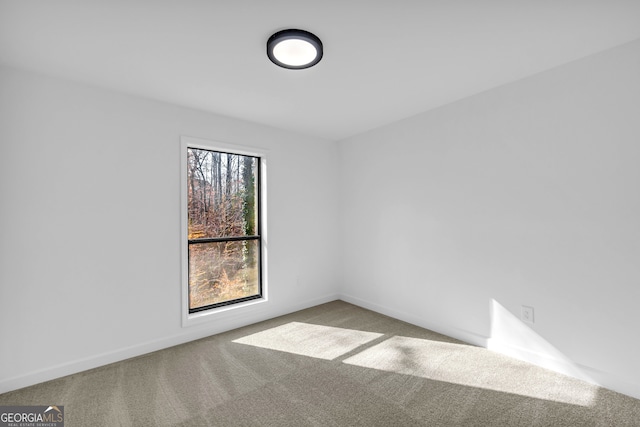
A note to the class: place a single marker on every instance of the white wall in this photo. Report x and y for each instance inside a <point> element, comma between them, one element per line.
<point>524,195</point>
<point>90,225</point>
<point>527,194</point>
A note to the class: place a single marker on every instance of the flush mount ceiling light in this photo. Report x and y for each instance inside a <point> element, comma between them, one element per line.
<point>294,49</point>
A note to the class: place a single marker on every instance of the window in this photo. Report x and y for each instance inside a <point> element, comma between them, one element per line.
<point>223,227</point>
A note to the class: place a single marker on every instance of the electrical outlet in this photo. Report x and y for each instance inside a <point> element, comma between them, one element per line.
<point>527,314</point>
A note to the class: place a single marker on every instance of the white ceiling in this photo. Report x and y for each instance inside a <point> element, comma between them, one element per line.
<point>384,59</point>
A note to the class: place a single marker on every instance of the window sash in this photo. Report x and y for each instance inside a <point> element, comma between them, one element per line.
<point>258,228</point>
<point>222,239</point>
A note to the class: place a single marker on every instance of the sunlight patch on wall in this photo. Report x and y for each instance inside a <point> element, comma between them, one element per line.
<point>323,342</point>
<point>511,336</point>
<point>473,367</point>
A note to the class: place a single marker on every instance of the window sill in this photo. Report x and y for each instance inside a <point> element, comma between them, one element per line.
<point>202,317</point>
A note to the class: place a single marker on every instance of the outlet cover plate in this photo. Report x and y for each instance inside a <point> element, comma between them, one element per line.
<point>527,314</point>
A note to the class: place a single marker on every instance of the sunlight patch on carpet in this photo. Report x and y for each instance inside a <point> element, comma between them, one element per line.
<point>474,367</point>
<point>322,342</point>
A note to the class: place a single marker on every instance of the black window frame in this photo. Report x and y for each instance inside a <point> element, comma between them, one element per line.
<point>257,236</point>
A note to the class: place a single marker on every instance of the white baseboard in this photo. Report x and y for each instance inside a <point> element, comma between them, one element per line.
<point>566,367</point>
<point>233,321</point>
<point>466,336</point>
<point>230,321</point>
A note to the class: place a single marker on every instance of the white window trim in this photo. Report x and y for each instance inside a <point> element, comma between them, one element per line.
<point>190,319</point>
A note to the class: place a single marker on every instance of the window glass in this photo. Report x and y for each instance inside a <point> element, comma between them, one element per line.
<point>223,215</point>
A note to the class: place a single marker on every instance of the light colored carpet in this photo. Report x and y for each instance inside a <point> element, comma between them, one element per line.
<point>331,365</point>
<point>323,342</point>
